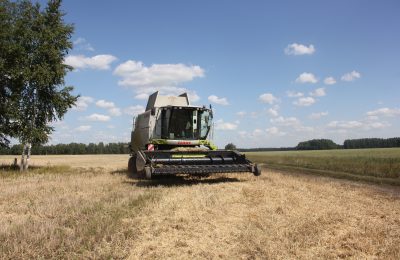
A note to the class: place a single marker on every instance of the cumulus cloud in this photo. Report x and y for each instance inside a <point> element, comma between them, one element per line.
<point>82,44</point>
<point>115,111</point>
<point>83,128</point>
<point>110,106</point>
<point>362,125</point>
<point>319,92</point>
<point>351,76</point>
<point>217,100</point>
<point>275,131</point>
<point>273,111</point>
<point>221,125</point>
<point>306,77</point>
<point>299,49</point>
<point>318,115</point>
<point>104,104</point>
<point>98,62</point>
<point>241,113</point>
<point>304,101</point>
<point>345,124</point>
<point>134,110</point>
<point>82,103</point>
<point>385,111</point>
<point>294,94</point>
<point>288,121</point>
<point>98,117</point>
<point>268,98</point>
<point>165,78</point>
<point>329,81</point>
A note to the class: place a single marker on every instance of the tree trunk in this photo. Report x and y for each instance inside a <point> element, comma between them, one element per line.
<point>28,156</point>
<point>22,165</point>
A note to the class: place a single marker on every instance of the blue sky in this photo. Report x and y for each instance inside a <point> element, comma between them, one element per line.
<point>276,72</point>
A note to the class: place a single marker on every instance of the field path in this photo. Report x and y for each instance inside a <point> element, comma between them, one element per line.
<point>100,213</point>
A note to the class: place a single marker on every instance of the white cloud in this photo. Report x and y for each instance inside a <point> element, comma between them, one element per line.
<point>274,131</point>
<point>306,77</point>
<point>217,100</point>
<point>241,113</point>
<point>304,101</point>
<point>82,44</point>
<point>221,125</point>
<point>115,111</point>
<point>82,103</point>
<point>268,98</point>
<point>158,77</point>
<point>299,49</point>
<point>385,111</point>
<point>83,128</point>
<point>110,106</point>
<point>98,62</point>
<point>104,104</point>
<point>288,121</point>
<point>134,110</point>
<point>319,92</point>
<point>293,94</point>
<point>351,76</point>
<point>98,117</point>
<point>257,132</point>
<point>345,124</point>
<point>362,125</point>
<point>273,111</point>
<point>318,115</point>
<point>329,81</point>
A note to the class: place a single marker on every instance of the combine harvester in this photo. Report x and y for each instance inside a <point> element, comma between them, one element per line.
<point>171,137</point>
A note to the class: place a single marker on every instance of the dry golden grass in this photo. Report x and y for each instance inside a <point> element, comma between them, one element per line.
<point>64,212</point>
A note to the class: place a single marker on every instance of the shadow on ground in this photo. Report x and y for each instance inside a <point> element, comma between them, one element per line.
<point>171,181</point>
<point>15,168</point>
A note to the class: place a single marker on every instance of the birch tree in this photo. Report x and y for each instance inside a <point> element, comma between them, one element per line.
<point>37,91</point>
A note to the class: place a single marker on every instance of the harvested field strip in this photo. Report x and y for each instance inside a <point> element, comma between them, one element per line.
<point>97,213</point>
<point>69,216</point>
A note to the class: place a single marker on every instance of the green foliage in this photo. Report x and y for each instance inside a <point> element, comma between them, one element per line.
<point>230,146</point>
<point>317,144</point>
<point>372,143</point>
<point>72,148</point>
<point>34,44</point>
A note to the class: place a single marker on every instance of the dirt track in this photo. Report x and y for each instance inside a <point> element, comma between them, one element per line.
<point>241,216</point>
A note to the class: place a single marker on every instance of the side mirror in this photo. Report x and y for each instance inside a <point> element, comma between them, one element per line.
<point>153,111</point>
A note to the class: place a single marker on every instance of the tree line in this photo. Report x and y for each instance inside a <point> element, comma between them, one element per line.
<point>72,148</point>
<point>371,143</point>
<point>326,144</point>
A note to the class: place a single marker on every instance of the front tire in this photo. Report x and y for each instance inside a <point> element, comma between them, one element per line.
<point>257,170</point>
<point>132,172</point>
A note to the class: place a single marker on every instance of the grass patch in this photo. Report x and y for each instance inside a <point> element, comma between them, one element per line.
<point>334,174</point>
<point>377,163</point>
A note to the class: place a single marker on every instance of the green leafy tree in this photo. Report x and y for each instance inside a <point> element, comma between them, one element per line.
<point>230,146</point>
<point>37,42</point>
<point>317,144</point>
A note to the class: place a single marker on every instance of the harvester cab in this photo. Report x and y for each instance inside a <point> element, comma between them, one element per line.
<point>172,137</point>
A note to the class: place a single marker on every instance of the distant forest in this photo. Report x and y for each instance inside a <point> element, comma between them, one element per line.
<point>123,148</point>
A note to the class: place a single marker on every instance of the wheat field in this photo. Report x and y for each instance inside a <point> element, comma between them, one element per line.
<point>91,209</point>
